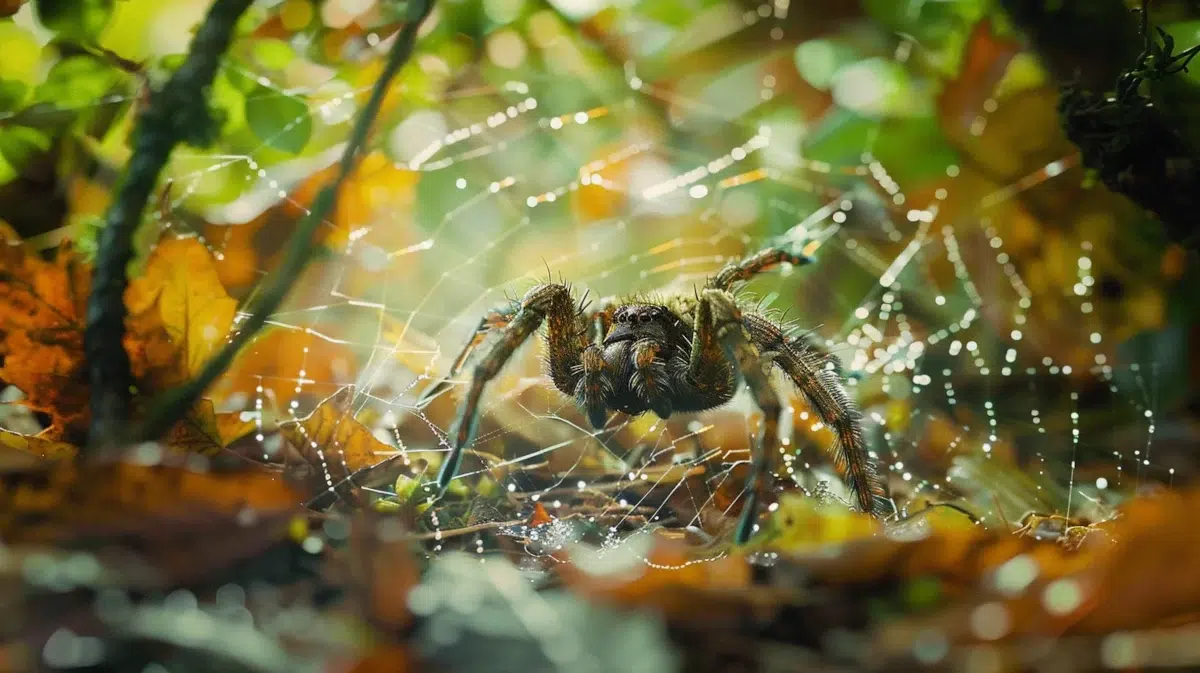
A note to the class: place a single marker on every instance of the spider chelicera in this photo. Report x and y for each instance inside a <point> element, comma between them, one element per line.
<point>685,353</point>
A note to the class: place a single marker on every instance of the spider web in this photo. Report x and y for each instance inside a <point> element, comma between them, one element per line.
<point>640,184</point>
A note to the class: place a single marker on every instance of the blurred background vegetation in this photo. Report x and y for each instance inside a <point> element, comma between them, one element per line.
<point>991,300</point>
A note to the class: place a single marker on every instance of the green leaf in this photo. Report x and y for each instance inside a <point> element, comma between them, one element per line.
<point>19,144</point>
<point>12,95</point>
<point>77,81</point>
<point>79,20</point>
<point>22,54</point>
<point>273,54</point>
<point>673,13</point>
<point>278,119</point>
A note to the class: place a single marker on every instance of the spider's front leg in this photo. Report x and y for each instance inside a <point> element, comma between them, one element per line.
<point>550,303</point>
<point>819,379</point>
<point>723,326</point>
<point>761,261</point>
<point>496,318</point>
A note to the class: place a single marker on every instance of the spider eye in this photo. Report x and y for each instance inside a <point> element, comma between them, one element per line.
<point>646,317</point>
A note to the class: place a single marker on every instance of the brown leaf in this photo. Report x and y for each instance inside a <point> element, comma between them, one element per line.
<point>333,441</point>
<point>205,431</point>
<point>985,60</point>
<point>382,571</point>
<point>64,498</point>
<point>277,359</point>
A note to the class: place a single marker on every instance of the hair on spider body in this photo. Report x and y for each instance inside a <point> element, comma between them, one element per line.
<point>675,353</point>
<point>646,355</point>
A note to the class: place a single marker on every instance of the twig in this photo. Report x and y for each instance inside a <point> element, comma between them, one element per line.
<point>174,115</point>
<point>299,248</point>
<point>466,530</point>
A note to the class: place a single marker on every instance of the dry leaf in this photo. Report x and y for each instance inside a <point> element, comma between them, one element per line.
<point>382,571</point>
<point>37,446</point>
<point>333,441</point>
<point>181,282</point>
<point>41,334</point>
<point>539,516</point>
<point>178,314</point>
<point>278,359</point>
<point>206,432</point>
<point>40,504</point>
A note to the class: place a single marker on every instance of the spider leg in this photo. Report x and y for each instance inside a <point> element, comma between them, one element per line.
<point>709,371</point>
<point>650,377</point>
<point>764,260</point>
<point>551,303</point>
<point>818,377</point>
<point>730,331</point>
<point>594,386</point>
<point>600,321</point>
<point>496,318</point>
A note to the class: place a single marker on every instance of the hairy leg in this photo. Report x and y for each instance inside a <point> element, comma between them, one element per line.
<point>708,370</point>
<point>495,319</point>
<point>748,267</point>
<point>650,377</point>
<point>729,328</point>
<point>594,386</point>
<point>709,373</point>
<point>550,303</point>
<point>816,374</point>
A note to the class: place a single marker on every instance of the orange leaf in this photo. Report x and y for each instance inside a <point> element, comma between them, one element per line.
<point>986,58</point>
<point>382,571</point>
<point>181,281</point>
<point>278,358</point>
<point>41,334</point>
<point>539,516</point>
<point>333,440</point>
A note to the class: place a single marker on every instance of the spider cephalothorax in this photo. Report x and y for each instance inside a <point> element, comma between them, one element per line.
<point>645,352</point>
<point>681,354</point>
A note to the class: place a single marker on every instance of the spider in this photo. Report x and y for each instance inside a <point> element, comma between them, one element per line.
<point>682,353</point>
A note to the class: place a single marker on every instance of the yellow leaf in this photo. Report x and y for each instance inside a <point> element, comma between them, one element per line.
<point>37,446</point>
<point>206,432</point>
<point>333,440</point>
<point>800,524</point>
<point>195,309</point>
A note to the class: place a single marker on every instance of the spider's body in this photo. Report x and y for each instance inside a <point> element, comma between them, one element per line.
<point>681,354</point>
<point>646,349</point>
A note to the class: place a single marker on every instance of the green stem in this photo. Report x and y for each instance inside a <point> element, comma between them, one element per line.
<point>300,247</point>
<point>173,115</point>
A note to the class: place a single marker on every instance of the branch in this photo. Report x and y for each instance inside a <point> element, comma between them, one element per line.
<point>172,116</point>
<point>299,248</point>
